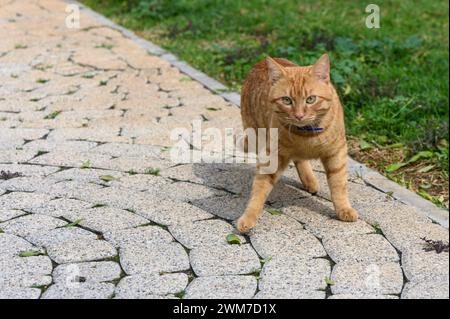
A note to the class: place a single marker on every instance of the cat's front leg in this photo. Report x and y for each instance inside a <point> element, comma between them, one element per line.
<point>262,186</point>
<point>306,175</point>
<point>336,169</point>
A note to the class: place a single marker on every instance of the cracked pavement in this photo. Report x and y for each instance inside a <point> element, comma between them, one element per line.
<point>91,206</point>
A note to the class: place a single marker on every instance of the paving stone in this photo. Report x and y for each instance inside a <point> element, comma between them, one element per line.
<point>67,146</point>
<point>73,159</point>
<point>25,271</point>
<point>137,164</point>
<point>236,178</point>
<point>16,156</point>
<point>81,250</point>
<point>24,201</point>
<point>170,212</point>
<point>287,294</point>
<point>228,207</point>
<point>87,175</point>
<point>222,287</point>
<point>367,278</point>
<point>157,258</point>
<point>7,214</point>
<point>360,248</point>
<point>88,134</point>
<point>203,233</point>
<point>361,296</point>
<point>105,219</point>
<point>390,213</point>
<point>420,265</point>
<point>26,184</point>
<point>144,235</point>
<point>24,133</point>
<point>31,224</point>
<point>222,260</point>
<point>87,290</point>
<point>318,216</point>
<point>276,235</point>
<point>187,192</point>
<point>141,286</point>
<point>11,245</point>
<point>8,292</point>
<point>61,207</point>
<point>102,271</point>
<point>410,234</point>
<point>122,149</point>
<point>72,189</point>
<point>60,235</point>
<point>29,170</point>
<point>426,290</point>
<point>296,274</point>
<point>284,194</point>
<point>141,182</point>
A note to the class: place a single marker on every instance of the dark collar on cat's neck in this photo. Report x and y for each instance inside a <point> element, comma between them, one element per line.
<point>309,129</point>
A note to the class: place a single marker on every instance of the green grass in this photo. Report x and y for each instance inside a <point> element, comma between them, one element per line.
<point>393,81</point>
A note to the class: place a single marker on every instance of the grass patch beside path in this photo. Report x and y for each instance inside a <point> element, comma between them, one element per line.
<point>393,81</point>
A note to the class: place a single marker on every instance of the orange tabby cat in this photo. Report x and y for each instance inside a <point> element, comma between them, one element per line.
<point>303,105</point>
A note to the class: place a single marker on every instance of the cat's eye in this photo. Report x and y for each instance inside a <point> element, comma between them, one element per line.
<point>311,99</point>
<point>286,100</point>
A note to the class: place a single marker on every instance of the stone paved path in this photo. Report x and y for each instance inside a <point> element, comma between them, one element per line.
<point>85,116</point>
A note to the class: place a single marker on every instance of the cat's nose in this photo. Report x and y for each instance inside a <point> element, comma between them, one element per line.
<point>299,116</point>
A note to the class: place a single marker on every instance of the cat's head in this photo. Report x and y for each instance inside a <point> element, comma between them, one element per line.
<point>300,96</point>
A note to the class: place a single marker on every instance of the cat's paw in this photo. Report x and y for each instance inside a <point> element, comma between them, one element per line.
<point>245,224</point>
<point>311,186</point>
<point>347,214</point>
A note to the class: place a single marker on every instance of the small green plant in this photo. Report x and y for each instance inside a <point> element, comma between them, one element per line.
<point>152,171</point>
<point>265,260</point>
<point>52,115</point>
<point>43,67</point>
<point>213,109</point>
<point>98,205</point>
<point>233,239</point>
<point>86,164</point>
<point>42,81</point>
<point>74,223</point>
<point>20,46</point>
<point>30,253</point>
<point>274,211</point>
<point>377,228</point>
<point>180,294</point>
<point>103,83</point>
<point>107,46</point>
<point>107,178</point>
<point>329,281</point>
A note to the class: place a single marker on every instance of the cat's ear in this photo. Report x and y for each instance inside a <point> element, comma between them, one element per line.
<point>321,69</point>
<point>276,71</point>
